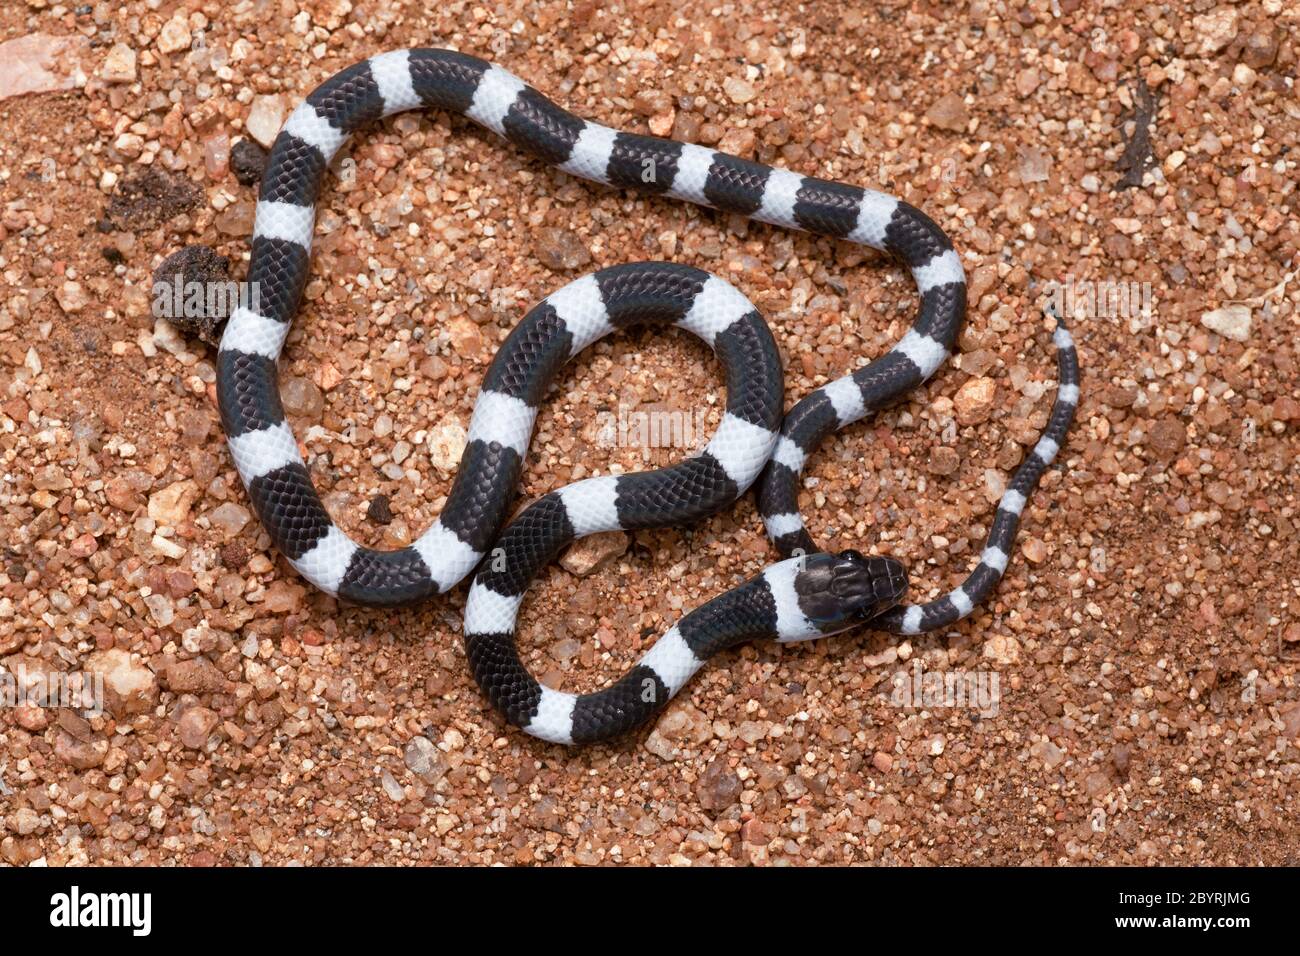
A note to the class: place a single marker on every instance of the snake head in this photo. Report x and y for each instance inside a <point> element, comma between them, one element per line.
<point>840,590</point>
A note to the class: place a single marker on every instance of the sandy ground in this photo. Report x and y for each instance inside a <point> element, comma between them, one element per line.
<point>1146,638</point>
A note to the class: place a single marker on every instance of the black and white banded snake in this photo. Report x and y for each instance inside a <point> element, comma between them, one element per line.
<point>806,595</point>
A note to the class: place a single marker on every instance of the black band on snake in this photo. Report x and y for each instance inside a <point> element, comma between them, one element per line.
<point>808,595</point>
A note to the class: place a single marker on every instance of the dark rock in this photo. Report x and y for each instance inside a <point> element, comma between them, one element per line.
<point>247,161</point>
<point>194,265</point>
<point>380,511</point>
<point>149,199</point>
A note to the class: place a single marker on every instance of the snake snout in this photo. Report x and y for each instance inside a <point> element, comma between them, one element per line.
<point>838,590</point>
<point>873,584</point>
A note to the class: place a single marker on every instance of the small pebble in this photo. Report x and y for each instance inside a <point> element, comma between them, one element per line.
<point>302,398</point>
<point>447,443</point>
<point>719,786</point>
<point>265,118</point>
<point>1231,321</point>
<point>379,510</point>
<point>247,162</point>
<point>119,64</point>
<point>593,551</point>
<point>196,726</point>
<point>949,112</point>
<point>975,401</point>
<point>562,250</point>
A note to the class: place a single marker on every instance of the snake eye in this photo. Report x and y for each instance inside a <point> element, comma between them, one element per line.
<point>852,555</point>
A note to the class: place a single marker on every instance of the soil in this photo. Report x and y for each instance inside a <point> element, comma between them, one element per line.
<point>1145,640</point>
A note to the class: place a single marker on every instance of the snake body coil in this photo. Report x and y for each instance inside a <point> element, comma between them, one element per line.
<point>807,595</point>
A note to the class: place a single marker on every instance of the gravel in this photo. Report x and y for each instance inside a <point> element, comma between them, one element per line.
<point>1144,638</point>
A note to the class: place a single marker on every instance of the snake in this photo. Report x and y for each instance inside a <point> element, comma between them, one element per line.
<point>807,594</point>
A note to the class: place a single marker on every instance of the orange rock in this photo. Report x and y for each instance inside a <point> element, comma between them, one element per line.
<point>974,401</point>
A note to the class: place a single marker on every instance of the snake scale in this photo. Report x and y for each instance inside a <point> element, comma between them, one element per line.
<point>805,595</point>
